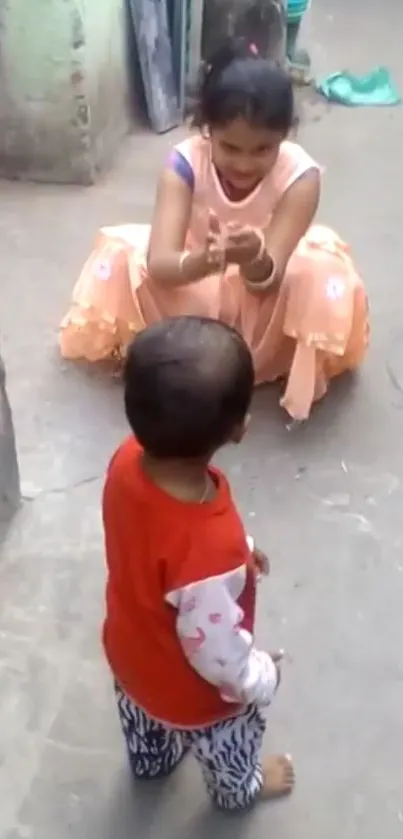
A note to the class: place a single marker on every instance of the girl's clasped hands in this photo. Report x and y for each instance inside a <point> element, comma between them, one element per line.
<point>234,244</point>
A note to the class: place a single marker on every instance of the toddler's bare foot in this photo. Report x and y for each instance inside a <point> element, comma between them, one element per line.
<point>278,776</point>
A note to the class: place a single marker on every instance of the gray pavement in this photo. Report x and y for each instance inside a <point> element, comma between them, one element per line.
<point>325,501</point>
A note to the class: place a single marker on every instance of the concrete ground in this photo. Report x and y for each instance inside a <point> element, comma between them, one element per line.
<point>326,502</point>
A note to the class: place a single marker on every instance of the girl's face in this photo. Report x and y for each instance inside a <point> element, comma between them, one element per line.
<point>243,154</point>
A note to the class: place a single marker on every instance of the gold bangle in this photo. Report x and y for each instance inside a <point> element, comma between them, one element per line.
<point>262,285</point>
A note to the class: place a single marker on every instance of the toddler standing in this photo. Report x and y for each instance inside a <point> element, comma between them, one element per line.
<point>180,600</point>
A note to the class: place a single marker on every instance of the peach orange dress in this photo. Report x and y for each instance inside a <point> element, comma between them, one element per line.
<point>311,328</point>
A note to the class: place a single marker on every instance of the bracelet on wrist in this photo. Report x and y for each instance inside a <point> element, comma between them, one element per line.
<point>262,285</point>
<point>182,259</point>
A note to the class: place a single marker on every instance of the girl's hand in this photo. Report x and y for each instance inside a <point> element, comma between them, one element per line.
<point>242,245</point>
<point>214,248</point>
<point>214,254</point>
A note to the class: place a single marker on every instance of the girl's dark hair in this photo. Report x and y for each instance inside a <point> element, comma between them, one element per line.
<point>237,82</point>
<point>188,384</point>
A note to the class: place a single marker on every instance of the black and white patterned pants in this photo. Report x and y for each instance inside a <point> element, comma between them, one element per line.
<point>228,751</point>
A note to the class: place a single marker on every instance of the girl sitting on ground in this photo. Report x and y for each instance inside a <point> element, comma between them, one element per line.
<point>231,238</point>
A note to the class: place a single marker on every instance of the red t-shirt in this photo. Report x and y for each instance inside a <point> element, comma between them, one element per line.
<point>156,545</point>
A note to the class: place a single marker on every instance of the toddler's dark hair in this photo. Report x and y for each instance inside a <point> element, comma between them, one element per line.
<point>188,384</point>
<point>237,82</point>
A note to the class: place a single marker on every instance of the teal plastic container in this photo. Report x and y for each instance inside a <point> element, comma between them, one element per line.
<point>296,9</point>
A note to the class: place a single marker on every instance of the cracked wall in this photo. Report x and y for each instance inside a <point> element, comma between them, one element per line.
<point>65,94</point>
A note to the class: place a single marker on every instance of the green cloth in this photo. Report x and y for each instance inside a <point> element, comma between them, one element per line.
<point>376,88</point>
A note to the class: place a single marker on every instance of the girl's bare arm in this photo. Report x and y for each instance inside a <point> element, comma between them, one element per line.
<point>291,219</point>
<point>166,264</point>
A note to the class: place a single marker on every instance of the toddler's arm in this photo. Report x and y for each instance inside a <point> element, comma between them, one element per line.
<point>209,626</point>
